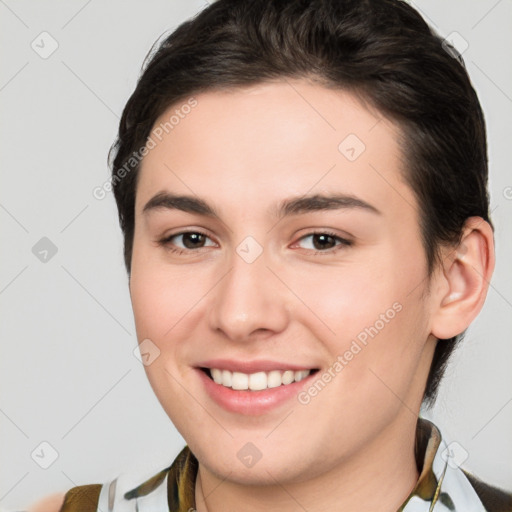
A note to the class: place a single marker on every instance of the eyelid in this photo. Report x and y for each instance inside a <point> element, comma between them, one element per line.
<point>345,241</point>
<point>166,239</point>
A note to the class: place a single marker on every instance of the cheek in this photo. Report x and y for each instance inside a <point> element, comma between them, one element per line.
<point>163,309</point>
<point>148,300</point>
<point>162,297</point>
<point>344,300</point>
<point>371,315</point>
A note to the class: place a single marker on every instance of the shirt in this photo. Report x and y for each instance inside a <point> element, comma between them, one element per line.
<point>442,485</point>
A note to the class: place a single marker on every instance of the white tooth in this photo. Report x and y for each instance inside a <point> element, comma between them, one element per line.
<point>257,381</point>
<point>274,379</point>
<point>301,374</point>
<point>240,381</point>
<point>216,375</point>
<point>288,377</point>
<point>226,378</point>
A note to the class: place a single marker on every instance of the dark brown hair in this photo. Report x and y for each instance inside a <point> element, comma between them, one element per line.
<point>381,50</point>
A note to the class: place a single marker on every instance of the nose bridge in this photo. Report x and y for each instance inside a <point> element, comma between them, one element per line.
<point>248,298</point>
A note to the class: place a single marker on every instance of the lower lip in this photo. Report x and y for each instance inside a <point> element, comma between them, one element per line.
<point>251,403</point>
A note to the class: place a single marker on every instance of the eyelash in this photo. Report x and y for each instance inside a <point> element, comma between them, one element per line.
<point>166,242</point>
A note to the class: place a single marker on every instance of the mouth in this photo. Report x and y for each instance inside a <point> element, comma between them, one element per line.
<point>257,381</point>
<point>253,387</point>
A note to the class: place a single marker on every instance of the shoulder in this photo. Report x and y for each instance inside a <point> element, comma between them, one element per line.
<point>172,484</point>
<point>493,498</point>
<point>83,498</point>
<point>51,503</point>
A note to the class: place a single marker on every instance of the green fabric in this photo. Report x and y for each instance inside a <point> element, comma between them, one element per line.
<point>494,499</point>
<point>83,498</point>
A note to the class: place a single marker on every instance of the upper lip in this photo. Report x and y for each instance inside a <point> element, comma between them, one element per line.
<point>260,365</point>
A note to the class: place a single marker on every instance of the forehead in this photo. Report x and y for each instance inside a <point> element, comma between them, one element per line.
<point>274,139</point>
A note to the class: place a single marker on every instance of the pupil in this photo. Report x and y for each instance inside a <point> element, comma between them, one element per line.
<point>324,238</point>
<point>191,240</point>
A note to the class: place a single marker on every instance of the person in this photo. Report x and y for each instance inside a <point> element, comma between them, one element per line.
<point>302,190</point>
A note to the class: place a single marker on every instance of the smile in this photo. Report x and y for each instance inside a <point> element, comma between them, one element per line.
<point>255,381</point>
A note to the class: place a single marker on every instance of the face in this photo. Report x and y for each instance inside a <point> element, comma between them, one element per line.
<point>294,266</point>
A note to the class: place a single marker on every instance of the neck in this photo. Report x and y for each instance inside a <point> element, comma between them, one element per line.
<point>379,478</point>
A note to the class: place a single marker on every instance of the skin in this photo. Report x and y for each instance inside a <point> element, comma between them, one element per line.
<point>48,504</point>
<point>243,152</point>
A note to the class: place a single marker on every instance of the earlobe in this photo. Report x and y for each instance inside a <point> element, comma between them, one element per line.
<point>465,277</point>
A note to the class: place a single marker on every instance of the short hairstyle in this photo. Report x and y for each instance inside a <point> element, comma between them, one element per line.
<point>380,50</point>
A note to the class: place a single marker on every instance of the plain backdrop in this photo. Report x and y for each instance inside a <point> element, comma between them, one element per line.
<point>69,378</point>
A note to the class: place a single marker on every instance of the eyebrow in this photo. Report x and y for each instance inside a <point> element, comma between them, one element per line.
<point>286,208</point>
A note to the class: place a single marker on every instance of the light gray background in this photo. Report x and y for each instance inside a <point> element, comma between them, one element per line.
<point>69,376</point>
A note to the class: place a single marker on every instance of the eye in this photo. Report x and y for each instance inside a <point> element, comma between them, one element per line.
<point>185,241</point>
<point>324,241</point>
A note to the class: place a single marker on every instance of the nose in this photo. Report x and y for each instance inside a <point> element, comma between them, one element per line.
<point>249,302</point>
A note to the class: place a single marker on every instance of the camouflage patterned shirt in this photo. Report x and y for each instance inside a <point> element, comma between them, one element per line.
<point>441,487</point>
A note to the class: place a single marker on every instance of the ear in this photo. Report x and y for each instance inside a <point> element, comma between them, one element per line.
<point>463,280</point>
